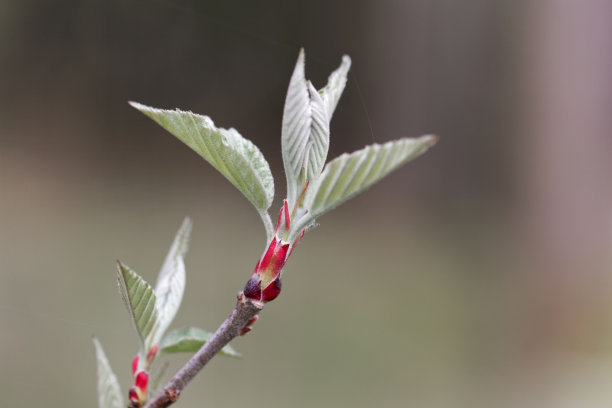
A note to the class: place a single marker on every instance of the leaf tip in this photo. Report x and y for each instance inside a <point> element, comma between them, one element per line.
<point>147,110</point>
<point>346,61</point>
<point>136,105</point>
<point>120,266</point>
<point>300,64</point>
<point>430,140</point>
<point>187,225</point>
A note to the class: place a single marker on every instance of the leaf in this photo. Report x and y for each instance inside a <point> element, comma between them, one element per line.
<point>238,159</point>
<point>190,339</point>
<point>336,82</point>
<point>109,392</point>
<point>171,280</point>
<point>139,300</point>
<point>305,132</point>
<point>350,174</point>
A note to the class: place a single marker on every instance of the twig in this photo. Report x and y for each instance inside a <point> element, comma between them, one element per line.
<point>244,311</point>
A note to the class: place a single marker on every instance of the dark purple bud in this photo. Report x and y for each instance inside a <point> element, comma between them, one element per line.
<point>252,289</point>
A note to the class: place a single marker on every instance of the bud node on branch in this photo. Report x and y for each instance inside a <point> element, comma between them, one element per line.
<point>173,395</point>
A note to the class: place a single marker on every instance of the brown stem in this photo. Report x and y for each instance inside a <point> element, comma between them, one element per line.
<point>244,311</point>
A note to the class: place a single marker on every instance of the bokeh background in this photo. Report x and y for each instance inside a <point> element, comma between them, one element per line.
<point>479,275</point>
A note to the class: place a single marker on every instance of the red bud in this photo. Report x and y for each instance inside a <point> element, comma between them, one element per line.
<point>253,320</point>
<point>135,365</point>
<point>151,355</point>
<point>272,291</point>
<point>265,260</point>
<point>265,284</point>
<point>133,396</point>
<point>142,380</point>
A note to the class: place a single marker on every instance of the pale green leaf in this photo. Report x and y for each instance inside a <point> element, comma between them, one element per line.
<point>239,160</point>
<point>109,392</point>
<point>305,132</point>
<point>336,82</point>
<point>171,280</point>
<point>139,300</point>
<point>190,340</point>
<point>350,174</point>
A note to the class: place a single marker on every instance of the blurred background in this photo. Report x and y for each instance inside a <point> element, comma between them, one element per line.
<point>477,276</point>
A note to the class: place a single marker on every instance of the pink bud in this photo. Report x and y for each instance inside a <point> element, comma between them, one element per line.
<point>253,320</point>
<point>265,283</point>
<point>265,260</point>
<point>151,355</point>
<point>133,396</point>
<point>247,327</point>
<point>135,365</point>
<point>142,381</point>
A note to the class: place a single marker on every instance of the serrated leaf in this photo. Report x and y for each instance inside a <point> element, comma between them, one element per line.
<point>109,392</point>
<point>350,174</point>
<point>139,300</point>
<point>336,82</point>
<point>305,132</point>
<point>237,158</point>
<point>190,339</point>
<point>171,280</point>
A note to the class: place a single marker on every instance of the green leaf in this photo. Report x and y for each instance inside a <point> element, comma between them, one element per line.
<point>190,339</point>
<point>171,280</point>
<point>336,82</point>
<point>305,132</point>
<point>109,392</point>
<point>239,160</point>
<point>139,300</point>
<point>350,174</point>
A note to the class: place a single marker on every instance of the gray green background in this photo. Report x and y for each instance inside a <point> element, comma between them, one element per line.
<point>478,275</point>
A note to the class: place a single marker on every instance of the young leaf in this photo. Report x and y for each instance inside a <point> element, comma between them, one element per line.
<point>336,82</point>
<point>190,339</point>
<point>109,392</point>
<point>305,132</point>
<point>239,160</point>
<point>350,174</point>
<point>139,300</point>
<point>171,280</point>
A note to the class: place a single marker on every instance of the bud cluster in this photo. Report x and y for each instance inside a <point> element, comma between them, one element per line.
<point>265,283</point>
<point>139,391</point>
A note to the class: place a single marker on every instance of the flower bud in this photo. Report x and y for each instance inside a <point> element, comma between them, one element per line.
<point>151,355</point>
<point>142,381</point>
<point>138,392</point>
<point>134,398</point>
<point>247,327</point>
<point>265,283</point>
<point>135,365</point>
